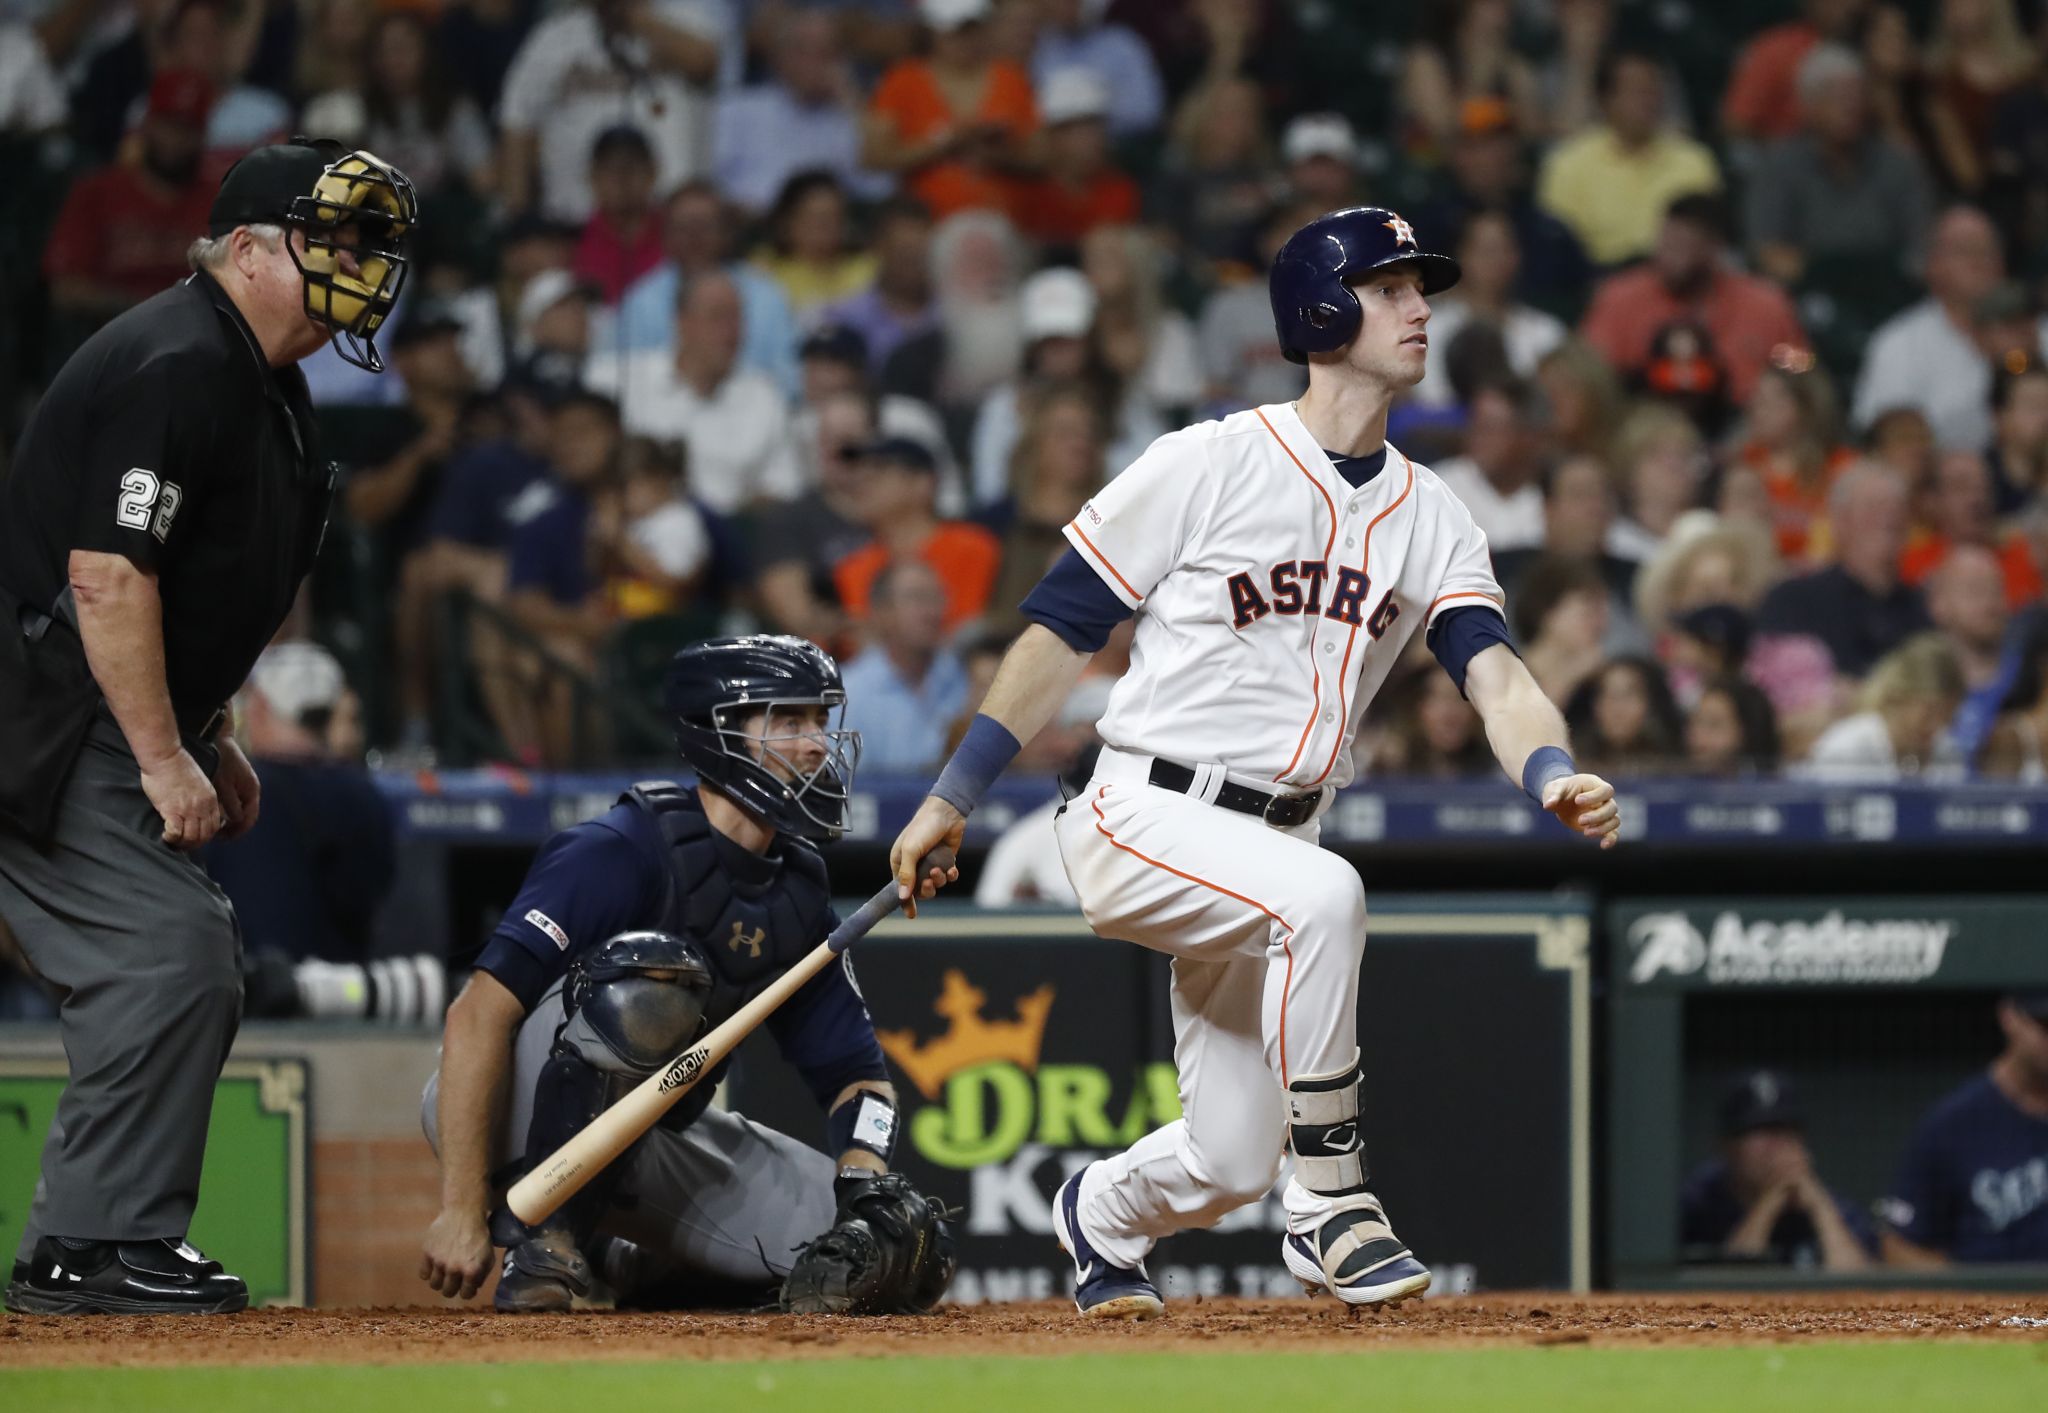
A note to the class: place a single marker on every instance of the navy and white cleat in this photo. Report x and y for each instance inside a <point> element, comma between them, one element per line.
<point>1356,1257</point>
<point>1101,1291</point>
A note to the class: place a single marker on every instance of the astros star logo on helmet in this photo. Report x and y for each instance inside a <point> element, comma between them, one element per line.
<point>1404,234</point>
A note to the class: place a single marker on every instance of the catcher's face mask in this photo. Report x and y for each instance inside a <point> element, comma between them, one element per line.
<point>356,223</point>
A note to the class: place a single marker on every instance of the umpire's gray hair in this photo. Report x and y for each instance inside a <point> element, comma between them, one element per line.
<point>209,253</point>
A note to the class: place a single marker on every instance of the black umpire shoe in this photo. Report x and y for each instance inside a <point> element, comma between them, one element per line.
<point>162,1277</point>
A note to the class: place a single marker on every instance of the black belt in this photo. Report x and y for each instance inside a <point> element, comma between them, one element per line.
<point>1280,811</point>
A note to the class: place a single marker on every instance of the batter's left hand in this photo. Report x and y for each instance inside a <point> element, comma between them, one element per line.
<point>234,780</point>
<point>1586,803</point>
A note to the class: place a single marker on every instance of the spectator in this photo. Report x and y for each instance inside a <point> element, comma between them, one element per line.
<point>953,154</point>
<point>1839,188</point>
<point>1560,613</point>
<point>622,240</point>
<point>1578,523</point>
<point>1057,466</point>
<point>2017,162</point>
<point>1496,477</point>
<point>978,339</point>
<point>658,541</point>
<point>905,686</point>
<point>1321,153</point>
<point>598,65</point>
<point>1764,101</point>
<point>552,325</point>
<point>2009,330</point>
<point>1216,178</point>
<point>211,38</point>
<point>1790,437</point>
<point>2016,747</point>
<point>733,419</point>
<point>553,593</point>
<point>1612,184</point>
<point>1582,400</point>
<point>1902,440</point>
<point>1486,172</point>
<point>1623,716</point>
<point>1240,359</point>
<point>1976,55</point>
<point>808,250</point>
<point>1141,341</point>
<point>804,120</point>
<point>1731,731</point>
<point>32,98</point>
<point>1688,278</point>
<point>1485,296</point>
<point>1707,563</point>
<point>1463,54</point>
<point>1857,607</point>
<point>1073,35</point>
<point>696,240</point>
<point>1973,1185</point>
<point>1059,314</point>
<point>897,507</point>
<point>1761,1201</point>
<point>333,53</point>
<point>2019,448</point>
<point>801,544</point>
<point>1910,697</point>
<point>1901,92</point>
<point>121,234</point>
<point>1432,731</point>
<point>1081,188</point>
<point>1962,511</point>
<point>308,880</point>
<point>406,110</point>
<point>898,305</point>
<point>1927,357</point>
<point>478,41</point>
<point>1966,601</point>
<point>835,361</point>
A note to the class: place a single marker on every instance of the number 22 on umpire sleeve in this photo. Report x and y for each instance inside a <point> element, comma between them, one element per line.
<point>138,496</point>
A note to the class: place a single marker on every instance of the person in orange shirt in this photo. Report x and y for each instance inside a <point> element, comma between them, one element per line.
<point>959,125</point>
<point>1962,510</point>
<point>1081,189</point>
<point>1791,438</point>
<point>896,504</point>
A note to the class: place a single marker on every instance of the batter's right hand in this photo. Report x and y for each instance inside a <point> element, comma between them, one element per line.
<point>935,823</point>
<point>182,794</point>
<point>456,1256</point>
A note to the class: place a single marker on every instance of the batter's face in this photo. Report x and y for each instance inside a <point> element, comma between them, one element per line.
<point>1393,341</point>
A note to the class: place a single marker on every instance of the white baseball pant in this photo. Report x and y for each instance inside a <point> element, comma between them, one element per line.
<point>1266,931</point>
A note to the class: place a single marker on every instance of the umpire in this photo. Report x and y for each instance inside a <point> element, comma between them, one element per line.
<point>163,508</point>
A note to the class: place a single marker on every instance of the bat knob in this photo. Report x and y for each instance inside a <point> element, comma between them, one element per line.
<point>942,858</point>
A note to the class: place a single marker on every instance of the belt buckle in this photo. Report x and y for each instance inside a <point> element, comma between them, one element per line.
<point>1274,802</point>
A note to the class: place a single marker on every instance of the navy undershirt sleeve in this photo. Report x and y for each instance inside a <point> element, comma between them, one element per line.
<point>1073,602</point>
<point>1461,634</point>
<point>591,881</point>
<point>826,1034</point>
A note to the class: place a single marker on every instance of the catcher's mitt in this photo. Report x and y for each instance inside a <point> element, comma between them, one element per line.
<point>889,1253</point>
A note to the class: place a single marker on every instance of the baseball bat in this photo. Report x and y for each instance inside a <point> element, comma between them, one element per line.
<point>536,1196</point>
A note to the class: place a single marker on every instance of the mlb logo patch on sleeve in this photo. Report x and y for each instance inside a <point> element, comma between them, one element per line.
<point>548,925</point>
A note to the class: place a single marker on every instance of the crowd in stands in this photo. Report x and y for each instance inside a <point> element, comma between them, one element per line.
<point>824,316</point>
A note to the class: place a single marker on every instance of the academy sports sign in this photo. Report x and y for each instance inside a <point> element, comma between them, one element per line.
<point>1832,950</point>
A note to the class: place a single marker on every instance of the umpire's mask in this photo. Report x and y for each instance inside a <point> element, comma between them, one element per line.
<point>362,212</point>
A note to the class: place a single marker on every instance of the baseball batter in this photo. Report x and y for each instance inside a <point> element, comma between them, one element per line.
<point>1277,562</point>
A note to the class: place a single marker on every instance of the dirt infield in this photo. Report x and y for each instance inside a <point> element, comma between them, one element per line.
<point>437,1336</point>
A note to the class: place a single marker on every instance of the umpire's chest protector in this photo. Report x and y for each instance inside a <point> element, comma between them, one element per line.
<point>751,928</point>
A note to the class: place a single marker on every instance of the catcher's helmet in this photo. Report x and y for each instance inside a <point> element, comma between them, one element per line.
<point>712,686</point>
<point>1314,309</point>
<point>351,204</point>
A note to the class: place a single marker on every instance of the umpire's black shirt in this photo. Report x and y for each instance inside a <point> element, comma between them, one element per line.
<point>169,439</point>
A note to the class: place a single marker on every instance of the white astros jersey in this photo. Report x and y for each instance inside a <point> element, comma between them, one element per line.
<point>1273,597</point>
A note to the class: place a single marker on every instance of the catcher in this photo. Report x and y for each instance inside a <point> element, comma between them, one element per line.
<point>634,934</point>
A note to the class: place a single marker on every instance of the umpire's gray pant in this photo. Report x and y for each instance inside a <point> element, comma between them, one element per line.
<point>146,958</point>
<point>725,1198</point>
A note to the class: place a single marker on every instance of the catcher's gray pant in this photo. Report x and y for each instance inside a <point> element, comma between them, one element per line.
<point>725,1198</point>
<point>146,957</point>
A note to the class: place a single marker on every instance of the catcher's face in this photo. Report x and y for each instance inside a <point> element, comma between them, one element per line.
<point>789,738</point>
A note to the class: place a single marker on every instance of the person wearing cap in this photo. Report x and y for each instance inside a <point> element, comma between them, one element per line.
<point>1761,1200</point>
<point>804,119</point>
<point>1321,153</point>
<point>122,232</point>
<point>165,505</point>
<point>1612,182</point>
<point>1059,311</point>
<point>958,125</point>
<point>835,361</point>
<point>905,687</point>
<point>1973,1184</point>
<point>1081,188</point>
<point>897,504</point>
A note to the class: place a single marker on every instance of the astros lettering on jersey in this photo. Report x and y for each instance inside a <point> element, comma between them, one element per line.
<point>1273,596</point>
